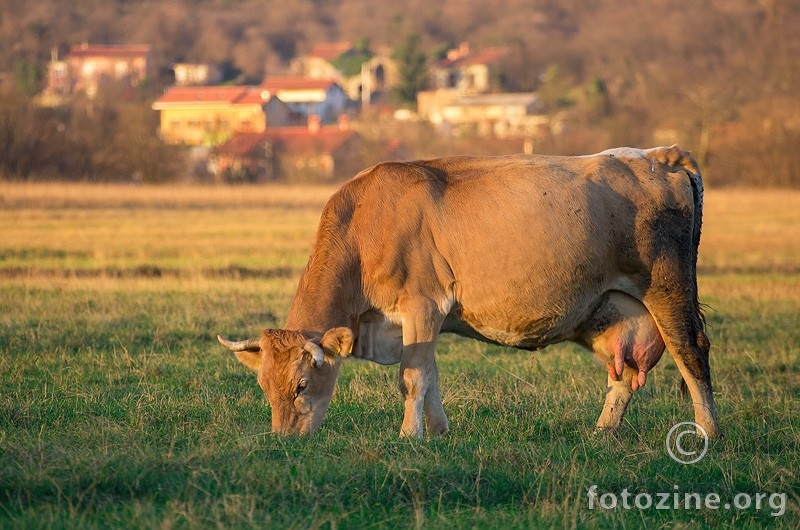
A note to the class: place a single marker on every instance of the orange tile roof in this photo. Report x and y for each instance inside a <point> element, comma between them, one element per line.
<point>330,50</point>
<point>297,140</point>
<point>294,82</point>
<point>212,94</point>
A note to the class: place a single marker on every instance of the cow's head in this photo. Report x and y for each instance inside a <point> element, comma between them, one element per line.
<point>297,372</point>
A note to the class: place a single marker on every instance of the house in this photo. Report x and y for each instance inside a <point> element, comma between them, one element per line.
<point>468,72</point>
<point>88,66</point>
<point>313,153</point>
<point>378,75</point>
<point>196,74</point>
<point>209,115</point>
<point>307,97</point>
<point>465,98</point>
<point>318,63</point>
<point>500,115</point>
<point>363,75</point>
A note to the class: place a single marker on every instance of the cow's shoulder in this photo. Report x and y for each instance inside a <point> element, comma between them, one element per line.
<point>395,185</point>
<point>369,202</point>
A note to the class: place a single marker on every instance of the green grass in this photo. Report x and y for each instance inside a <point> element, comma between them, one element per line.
<point>118,408</point>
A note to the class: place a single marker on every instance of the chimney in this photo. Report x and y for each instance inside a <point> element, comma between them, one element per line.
<point>313,123</point>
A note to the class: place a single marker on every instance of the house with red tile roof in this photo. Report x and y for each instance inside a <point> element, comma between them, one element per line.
<point>88,66</point>
<point>313,153</point>
<point>318,63</point>
<point>210,115</point>
<point>466,100</point>
<point>362,74</point>
<point>467,71</point>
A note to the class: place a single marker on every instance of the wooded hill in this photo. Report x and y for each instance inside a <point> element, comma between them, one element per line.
<point>722,77</point>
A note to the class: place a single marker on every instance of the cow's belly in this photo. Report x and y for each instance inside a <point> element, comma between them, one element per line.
<point>492,335</point>
<point>532,313</point>
<point>557,312</point>
<point>526,330</point>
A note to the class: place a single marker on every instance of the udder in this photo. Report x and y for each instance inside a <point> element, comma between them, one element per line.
<point>621,332</point>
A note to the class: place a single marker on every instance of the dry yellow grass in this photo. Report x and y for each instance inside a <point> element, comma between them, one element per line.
<point>82,195</point>
<point>751,230</point>
<point>84,226</point>
<point>187,228</point>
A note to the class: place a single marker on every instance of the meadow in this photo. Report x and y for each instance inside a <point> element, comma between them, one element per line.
<point>119,409</point>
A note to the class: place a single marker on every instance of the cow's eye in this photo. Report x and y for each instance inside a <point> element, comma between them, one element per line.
<point>301,386</point>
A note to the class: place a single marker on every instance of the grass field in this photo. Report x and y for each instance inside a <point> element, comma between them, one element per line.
<point>118,408</point>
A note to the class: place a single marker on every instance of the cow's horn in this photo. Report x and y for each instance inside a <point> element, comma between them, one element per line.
<point>317,355</point>
<point>242,345</point>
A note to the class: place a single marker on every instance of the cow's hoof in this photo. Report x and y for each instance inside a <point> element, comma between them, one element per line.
<point>437,426</point>
<point>606,431</point>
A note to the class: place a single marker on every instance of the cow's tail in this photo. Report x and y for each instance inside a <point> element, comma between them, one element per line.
<point>675,159</point>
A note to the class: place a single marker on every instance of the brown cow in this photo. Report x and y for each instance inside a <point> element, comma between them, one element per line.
<point>522,251</point>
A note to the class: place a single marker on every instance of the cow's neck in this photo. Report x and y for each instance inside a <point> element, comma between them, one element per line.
<point>326,295</point>
<point>330,294</point>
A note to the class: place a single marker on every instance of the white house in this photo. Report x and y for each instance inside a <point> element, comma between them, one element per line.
<point>306,97</point>
<point>499,115</point>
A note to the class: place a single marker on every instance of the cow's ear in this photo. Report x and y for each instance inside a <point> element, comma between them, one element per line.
<point>338,341</point>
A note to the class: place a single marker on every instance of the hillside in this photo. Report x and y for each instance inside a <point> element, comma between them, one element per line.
<point>718,76</point>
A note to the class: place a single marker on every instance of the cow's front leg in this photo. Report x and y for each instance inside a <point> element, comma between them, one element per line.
<point>419,377</point>
<point>416,368</point>
<point>435,418</point>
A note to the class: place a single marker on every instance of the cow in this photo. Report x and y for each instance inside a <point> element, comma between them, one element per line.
<point>519,250</point>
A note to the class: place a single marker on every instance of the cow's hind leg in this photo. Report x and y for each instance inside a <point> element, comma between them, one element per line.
<point>689,347</point>
<point>677,315</point>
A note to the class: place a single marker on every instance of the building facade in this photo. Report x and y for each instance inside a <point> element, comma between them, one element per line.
<point>209,115</point>
<point>307,97</point>
<point>88,67</point>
